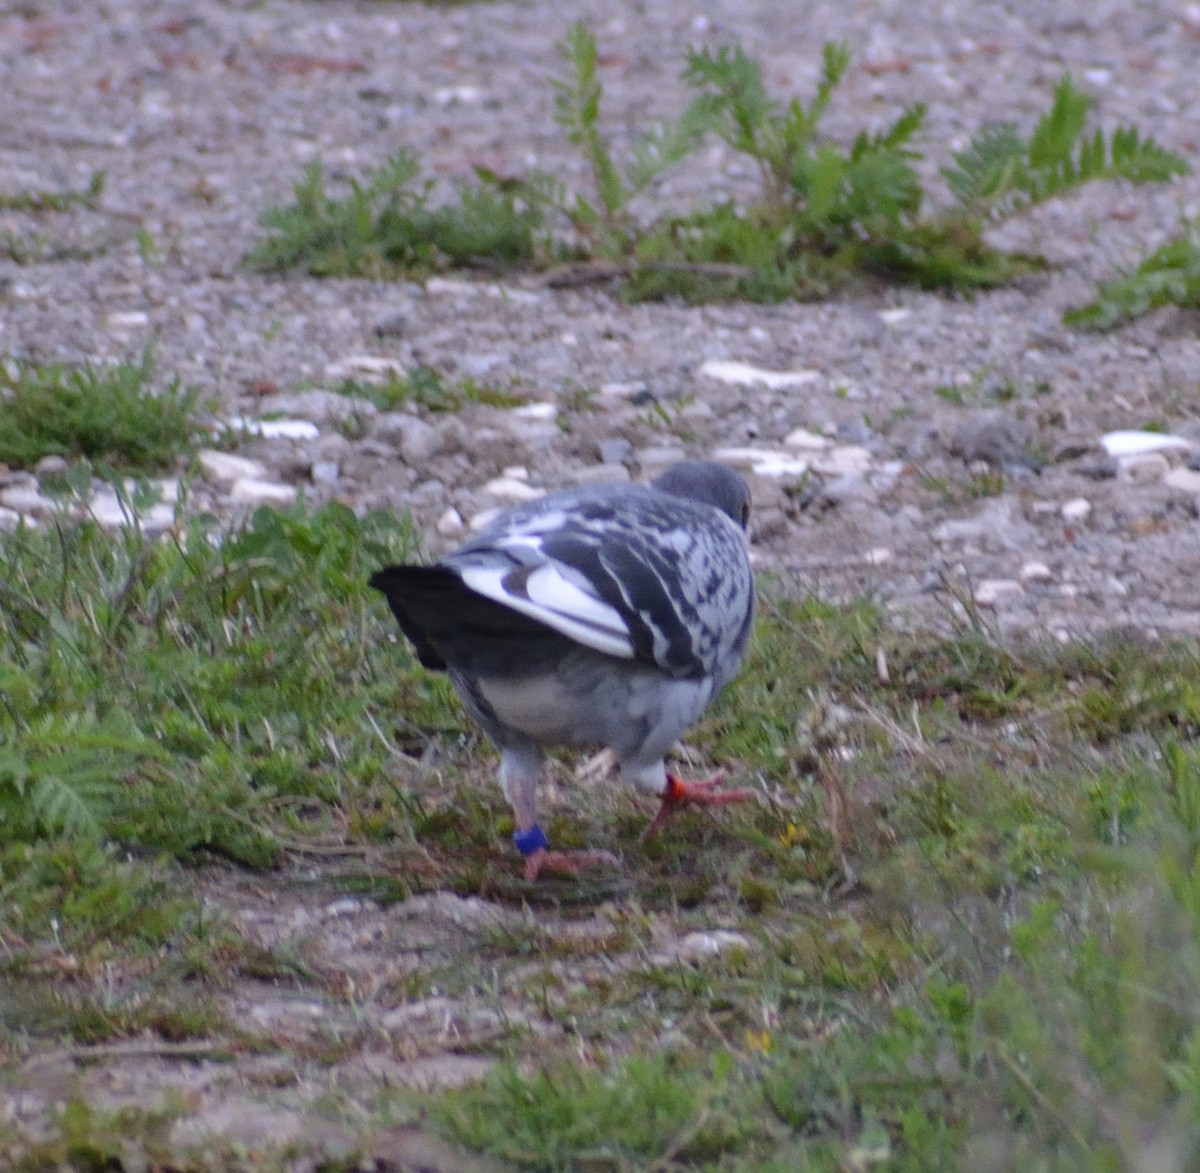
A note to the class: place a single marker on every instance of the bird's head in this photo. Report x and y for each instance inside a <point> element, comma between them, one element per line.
<point>709,483</point>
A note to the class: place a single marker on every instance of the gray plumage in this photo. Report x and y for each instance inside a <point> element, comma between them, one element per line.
<point>601,616</point>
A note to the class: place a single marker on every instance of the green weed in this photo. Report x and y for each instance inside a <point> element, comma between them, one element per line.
<point>1168,276</point>
<point>110,414</point>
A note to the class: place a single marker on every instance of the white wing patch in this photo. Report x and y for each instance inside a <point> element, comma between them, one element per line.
<point>553,599</point>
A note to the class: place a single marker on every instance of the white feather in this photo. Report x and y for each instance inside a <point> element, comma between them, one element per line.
<point>559,603</point>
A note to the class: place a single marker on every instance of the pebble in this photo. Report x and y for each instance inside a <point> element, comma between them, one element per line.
<point>365,368</point>
<point>991,590</point>
<point>24,499</point>
<point>1142,467</point>
<point>994,436</point>
<point>10,519</point>
<point>710,943</point>
<point>844,460</point>
<point>1130,443</point>
<point>1185,480</point>
<point>803,438</point>
<point>326,472</point>
<point>252,491</point>
<point>1035,572</point>
<point>1075,510</point>
<point>51,467</point>
<point>285,429</point>
<point>108,511</point>
<point>323,407</point>
<point>511,489</point>
<point>615,450</point>
<point>223,468</point>
<point>744,375</point>
<point>450,524</point>
<point>415,439</point>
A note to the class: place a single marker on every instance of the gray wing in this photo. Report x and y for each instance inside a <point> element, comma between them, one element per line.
<point>632,572</point>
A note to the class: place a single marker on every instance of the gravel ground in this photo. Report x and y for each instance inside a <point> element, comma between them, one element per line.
<point>202,114</point>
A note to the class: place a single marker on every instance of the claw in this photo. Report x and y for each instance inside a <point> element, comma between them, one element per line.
<point>568,863</point>
<point>702,792</point>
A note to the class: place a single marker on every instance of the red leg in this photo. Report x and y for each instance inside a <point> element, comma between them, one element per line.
<point>703,792</point>
<point>569,863</point>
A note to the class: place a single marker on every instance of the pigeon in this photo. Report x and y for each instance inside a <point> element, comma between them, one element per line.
<point>602,616</point>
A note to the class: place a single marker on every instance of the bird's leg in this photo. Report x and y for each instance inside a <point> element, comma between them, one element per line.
<point>703,792</point>
<point>519,768</point>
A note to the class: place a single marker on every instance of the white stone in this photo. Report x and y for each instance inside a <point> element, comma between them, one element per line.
<point>744,375</point>
<point>879,556</point>
<point>285,429</point>
<point>803,438</point>
<point>511,489</point>
<point>844,460</point>
<point>223,468</point>
<point>710,943</point>
<point>518,472</point>
<point>106,508</point>
<point>1187,480</point>
<point>1077,509</point>
<point>416,439</point>
<point>1142,468</point>
<point>1035,572</point>
<point>9,520</point>
<point>365,368</point>
<point>484,518</point>
<point>621,390</point>
<point>251,491</point>
<point>779,466</point>
<point>326,472</point>
<point>127,320</point>
<point>535,411</point>
<point>894,317</point>
<point>1129,443</point>
<point>450,524</point>
<point>745,457</point>
<point>991,590</point>
<point>25,499</point>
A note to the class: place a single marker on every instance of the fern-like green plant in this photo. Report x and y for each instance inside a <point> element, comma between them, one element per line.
<point>1168,276</point>
<point>1000,172</point>
<point>603,221</point>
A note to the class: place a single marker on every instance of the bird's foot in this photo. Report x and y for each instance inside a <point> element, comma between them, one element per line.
<point>702,792</point>
<point>567,863</point>
<point>533,845</point>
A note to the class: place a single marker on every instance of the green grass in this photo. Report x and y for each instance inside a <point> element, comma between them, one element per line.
<point>826,215</point>
<point>1170,275</point>
<point>994,963</point>
<point>423,387</point>
<point>110,414</point>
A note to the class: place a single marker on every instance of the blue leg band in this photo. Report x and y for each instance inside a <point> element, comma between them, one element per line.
<point>530,841</point>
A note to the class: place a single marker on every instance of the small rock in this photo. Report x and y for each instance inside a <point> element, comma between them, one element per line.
<point>1035,572</point>
<point>24,499</point>
<point>511,489</point>
<point>653,460</point>
<point>106,508</point>
<point>51,467</point>
<point>323,407</point>
<point>711,943</point>
<point>991,590</point>
<point>326,472</point>
<point>10,519</point>
<point>1076,510</point>
<point>842,490</point>
<point>1185,480</point>
<point>127,320</point>
<point>615,450</point>
<point>622,390</point>
<point>285,429</point>
<point>365,368</point>
<point>844,460</point>
<point>1131,443</point>
<point>223,468</point>
<point>252,491</point>
<point>803,438</point>
<point>879,556</point>
<point>744,375</point>
<point>416,440</point>
<point>1142,468</point>
<point>450,524</point>
<point>995,436</point>
<point>534,411</point>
